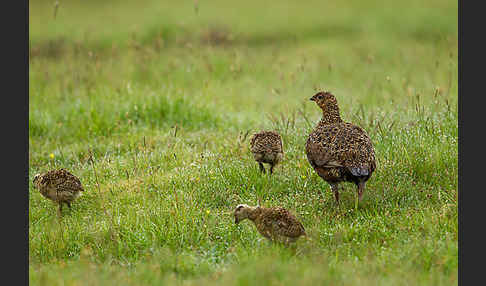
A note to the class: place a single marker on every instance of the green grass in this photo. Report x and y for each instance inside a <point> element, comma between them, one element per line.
<point>162,98</point>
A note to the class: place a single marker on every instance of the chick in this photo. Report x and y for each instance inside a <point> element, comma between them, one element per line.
<point>266,147</point>
<point>276,223</point>
<point>59,186</point>
<point>339,151</point>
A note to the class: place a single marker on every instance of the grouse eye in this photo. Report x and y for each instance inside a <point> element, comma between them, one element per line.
<point>319,96</point>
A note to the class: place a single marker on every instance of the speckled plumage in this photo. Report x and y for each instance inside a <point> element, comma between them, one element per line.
<point>339,151</point>
<point>267,147</point>
<point>276,223</point>
<point>59,186</point>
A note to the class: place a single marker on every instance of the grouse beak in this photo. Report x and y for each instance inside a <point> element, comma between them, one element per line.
<point>312,99</point>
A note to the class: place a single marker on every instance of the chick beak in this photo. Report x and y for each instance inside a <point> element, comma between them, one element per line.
<point>312,99</point>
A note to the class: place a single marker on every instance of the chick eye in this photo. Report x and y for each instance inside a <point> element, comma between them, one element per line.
<point>320,96</point>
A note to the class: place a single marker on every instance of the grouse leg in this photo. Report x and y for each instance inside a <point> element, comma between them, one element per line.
<point>261,167</point>
<point>271,169</point>
<point>361,187</point>
<point>335,190</point>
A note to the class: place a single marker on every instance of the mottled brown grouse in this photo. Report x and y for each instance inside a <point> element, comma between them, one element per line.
<point>59,186</point>
<point>339,151</point>
<point>266,147</point>
<point>276,223</point>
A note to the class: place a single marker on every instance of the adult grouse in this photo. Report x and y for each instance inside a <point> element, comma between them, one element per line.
<point>339,151</point>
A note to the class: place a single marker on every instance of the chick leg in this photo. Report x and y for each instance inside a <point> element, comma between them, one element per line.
<point>59,210</point>
<point>271,169</point>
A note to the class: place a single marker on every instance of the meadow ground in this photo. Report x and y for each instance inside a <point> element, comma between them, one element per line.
<point>161,96</point>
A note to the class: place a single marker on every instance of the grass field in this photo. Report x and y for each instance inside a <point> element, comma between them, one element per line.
<point>161,96</point>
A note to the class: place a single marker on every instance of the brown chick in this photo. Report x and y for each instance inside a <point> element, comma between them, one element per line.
<point>59,186</point>
<point>339,151</point>
<point>266,147</point>
<point>276,224</point>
